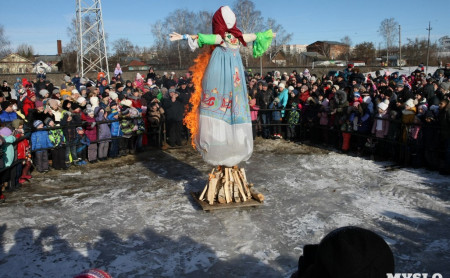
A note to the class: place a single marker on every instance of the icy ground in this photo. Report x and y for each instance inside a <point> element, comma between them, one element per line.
<point>134,217</point>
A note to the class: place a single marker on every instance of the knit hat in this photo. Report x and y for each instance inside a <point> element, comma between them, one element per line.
<point>290,88</point>
<point>94,101</point>
<point>126,102</point>
<point>48,120</point>
<point>336,87</point>
<point>16,123</point>
<point>89,111</point>
<point>410,103</point>
<point>79,128</point>
<point>93,273</point>
<point>55,91</point>
<point>113,103</point>
<point>172,90</point>
<point>423,107</point>
<point>39,103</point>
<point>356,94</point>
<point>43,92</point>
<point>313,79</point>
<point>37,123</point>
<point>383,106</point>
<point>281,86</point>
<point>445,86</point>
<point>5,131</point>
<point>75,91</point>
<point>113,95</point>
<point>80,100</point>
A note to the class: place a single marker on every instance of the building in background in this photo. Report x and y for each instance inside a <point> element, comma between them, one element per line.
<point>331,49</point>
<point>14,63</point>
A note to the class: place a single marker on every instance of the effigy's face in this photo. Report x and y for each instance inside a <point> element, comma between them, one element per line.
<point>230,39</point>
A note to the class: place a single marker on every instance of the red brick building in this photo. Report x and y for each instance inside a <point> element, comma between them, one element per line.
<point>330,49</point>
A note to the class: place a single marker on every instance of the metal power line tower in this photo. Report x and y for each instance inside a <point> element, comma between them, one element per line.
<point>92,55</point>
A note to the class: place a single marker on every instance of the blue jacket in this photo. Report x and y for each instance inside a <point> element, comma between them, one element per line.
<point>283,96</point>
<point>40,140</point>
<point>276,115</point>
<point>115,126</point>
<point>7,116</point>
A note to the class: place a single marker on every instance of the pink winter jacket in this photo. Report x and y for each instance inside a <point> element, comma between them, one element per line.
<point>253,109</point>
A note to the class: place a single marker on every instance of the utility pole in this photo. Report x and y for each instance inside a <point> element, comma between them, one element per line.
<point>400,47</point>
<point>428,46</point>
<point>92,55</point>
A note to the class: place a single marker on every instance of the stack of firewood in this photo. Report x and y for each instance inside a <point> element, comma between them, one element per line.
<point>227,185</point>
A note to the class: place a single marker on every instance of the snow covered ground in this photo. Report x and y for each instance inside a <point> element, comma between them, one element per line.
<point>134,217</point>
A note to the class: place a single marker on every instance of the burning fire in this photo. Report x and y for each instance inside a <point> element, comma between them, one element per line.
<point>191,120</point>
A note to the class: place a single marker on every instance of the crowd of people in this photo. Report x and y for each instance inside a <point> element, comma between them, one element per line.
<point>78,121</point>
<point>405,118</point>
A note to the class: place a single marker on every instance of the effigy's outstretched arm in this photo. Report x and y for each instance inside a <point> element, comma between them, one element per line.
<point>196,41</point>
<point>261,41</point>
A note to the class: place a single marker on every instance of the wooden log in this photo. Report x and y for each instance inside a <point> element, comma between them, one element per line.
<point>226,188</point>
<point>206,186</point>
<point>203,192</point>
<point>245,185</point>
<point>239,185</point>
<point>244,175</point>
<point>212,191</point>
<point>256,195</point>
<point>221,196</point>
<point>236,193</point>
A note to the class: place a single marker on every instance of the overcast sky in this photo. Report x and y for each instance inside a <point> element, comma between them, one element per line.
<point>41,23</point>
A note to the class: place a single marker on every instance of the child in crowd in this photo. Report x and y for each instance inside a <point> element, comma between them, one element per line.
<point>40,140</point>
<point>103,133</point>
<point>155,119</point>
<point>56,136</point>
<point>127,127</point>
<point>83,143</point>
<point>276,118</point>
<point>6,157</point>
<point>115,130</point>
<point>23,153</point>
<point>70,135</point>
<point>91,133</point>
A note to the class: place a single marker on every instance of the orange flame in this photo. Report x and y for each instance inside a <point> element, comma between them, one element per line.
<point>191,120</point>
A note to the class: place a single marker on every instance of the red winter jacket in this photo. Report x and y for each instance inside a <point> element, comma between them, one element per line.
<point>22,147</point>
<point>27,105</point>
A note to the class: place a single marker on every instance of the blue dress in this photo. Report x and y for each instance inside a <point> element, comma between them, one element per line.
<point>225,129</point>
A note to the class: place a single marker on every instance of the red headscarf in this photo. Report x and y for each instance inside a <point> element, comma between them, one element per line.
<point>220,27</point>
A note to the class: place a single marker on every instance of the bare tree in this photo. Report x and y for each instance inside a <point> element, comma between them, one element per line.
<point>4,43</point>
<point>182,22</point>
<point>281,39</point>
<point>416,51</point>
<point>346,40</point>
<point>388,30</point>
<point>161,42</point>
<point>25,50</point>
<point>365,51</point>
<point>203,20</point>
<point>123,47</point>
